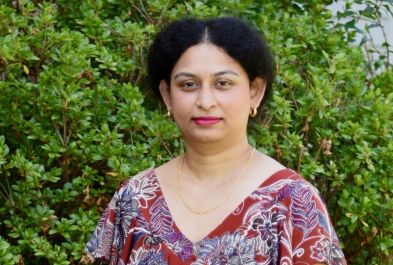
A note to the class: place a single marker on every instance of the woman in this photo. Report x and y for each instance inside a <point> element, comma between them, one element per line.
<point>222,202</point>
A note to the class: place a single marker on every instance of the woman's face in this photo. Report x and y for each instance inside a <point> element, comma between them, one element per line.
<point>210,95</point>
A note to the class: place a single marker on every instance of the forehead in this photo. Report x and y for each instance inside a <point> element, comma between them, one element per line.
<point>206,58</point>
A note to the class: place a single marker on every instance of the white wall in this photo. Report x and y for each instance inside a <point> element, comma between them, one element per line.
<point>377,35</point>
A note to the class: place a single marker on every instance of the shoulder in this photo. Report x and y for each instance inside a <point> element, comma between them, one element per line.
<point>144,175</point>
<point>304,194</point>
<point>137,185</point>
<point>280,179</point>
<point>285,178</point>
<point>287,187</point>
<point>301,200</point>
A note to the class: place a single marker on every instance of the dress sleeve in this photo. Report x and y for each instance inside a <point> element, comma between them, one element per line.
<point>110,235</point>
<point>308,235</point>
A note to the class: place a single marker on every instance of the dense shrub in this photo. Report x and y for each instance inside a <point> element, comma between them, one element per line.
<point>76,118</point>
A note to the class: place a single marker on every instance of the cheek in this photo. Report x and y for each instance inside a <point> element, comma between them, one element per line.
<point>237,102</point>
<point>181,106</point>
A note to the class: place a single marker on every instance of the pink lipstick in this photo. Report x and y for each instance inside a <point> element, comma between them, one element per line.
<point>206,121</point>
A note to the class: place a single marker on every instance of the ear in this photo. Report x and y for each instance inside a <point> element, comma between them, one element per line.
<point>257,90</point>
<point>165,94</point>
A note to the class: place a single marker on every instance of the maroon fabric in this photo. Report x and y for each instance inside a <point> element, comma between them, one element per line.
<point>283,221</point>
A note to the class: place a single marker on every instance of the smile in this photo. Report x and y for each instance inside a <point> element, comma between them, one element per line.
<point>205,121</point>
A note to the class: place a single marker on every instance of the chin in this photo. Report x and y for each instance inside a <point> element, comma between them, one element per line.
<point>205,138</point>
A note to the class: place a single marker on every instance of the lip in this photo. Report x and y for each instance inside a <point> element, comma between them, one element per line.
<point>206,120</point>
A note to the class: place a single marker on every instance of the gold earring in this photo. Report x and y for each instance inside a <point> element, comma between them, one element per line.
<point>169,114</point>
<point>253,112</point>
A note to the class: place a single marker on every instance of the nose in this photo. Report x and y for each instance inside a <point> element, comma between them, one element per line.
<point>206,98</point>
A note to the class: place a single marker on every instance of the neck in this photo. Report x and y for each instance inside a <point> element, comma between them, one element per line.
<point>215,164</point>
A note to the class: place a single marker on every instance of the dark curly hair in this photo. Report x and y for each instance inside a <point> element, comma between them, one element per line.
<point>239,40</point>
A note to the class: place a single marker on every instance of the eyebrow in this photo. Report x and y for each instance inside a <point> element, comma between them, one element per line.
<point>187,74</point>
<point>226,72</point>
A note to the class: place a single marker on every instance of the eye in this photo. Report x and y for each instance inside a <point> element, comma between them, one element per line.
<point>223,84</point>
<point>189,84</point>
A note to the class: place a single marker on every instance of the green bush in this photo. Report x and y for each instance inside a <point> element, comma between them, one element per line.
<point>76,117</point>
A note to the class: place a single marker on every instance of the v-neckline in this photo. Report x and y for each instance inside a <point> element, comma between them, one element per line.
<point>224,220</point>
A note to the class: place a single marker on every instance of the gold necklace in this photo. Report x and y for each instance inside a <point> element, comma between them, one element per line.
<point>179,173</point>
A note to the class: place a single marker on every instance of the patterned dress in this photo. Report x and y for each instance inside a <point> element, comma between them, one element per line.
<point>283,221</point>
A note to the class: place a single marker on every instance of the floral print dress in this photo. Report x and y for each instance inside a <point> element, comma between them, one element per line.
<point>283,221</point>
